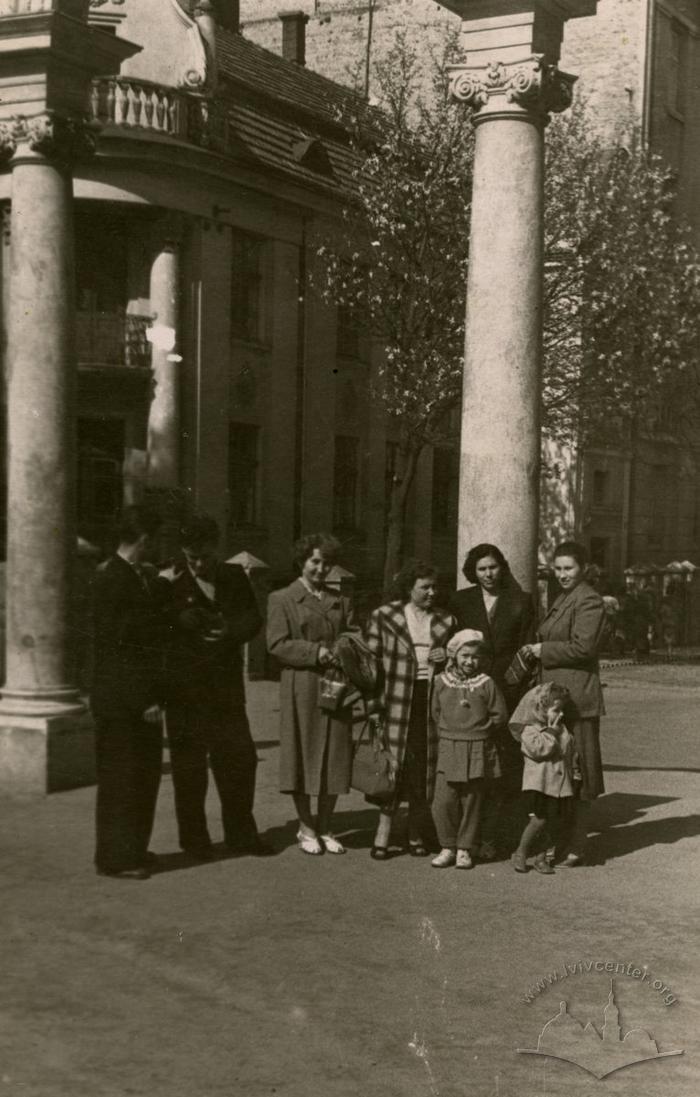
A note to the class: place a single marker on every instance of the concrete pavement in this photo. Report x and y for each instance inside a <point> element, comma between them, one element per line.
<point>338,976</point>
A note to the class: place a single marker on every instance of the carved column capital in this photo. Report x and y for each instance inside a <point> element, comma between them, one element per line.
<point>52,136</point>
<point>531,84</point>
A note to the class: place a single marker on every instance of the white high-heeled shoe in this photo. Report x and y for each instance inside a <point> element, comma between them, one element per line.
<point>331,844</point>
<point>309,843</point>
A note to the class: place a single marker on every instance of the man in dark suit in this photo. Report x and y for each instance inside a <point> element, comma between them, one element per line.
<point>129,635</point>
<point>214,612</point>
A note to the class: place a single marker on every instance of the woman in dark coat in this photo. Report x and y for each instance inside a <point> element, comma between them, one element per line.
<point>497,606</point>
<point>570,638</point>
<point>408,636</point>
<point>303,621</point>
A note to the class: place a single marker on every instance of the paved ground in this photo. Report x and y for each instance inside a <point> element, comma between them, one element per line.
<point>340,977</point>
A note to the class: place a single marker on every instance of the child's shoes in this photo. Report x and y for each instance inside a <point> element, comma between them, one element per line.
<point>463,859</point>
<point>445,858</point>
<point>518,861</point>
<point>542,865</point>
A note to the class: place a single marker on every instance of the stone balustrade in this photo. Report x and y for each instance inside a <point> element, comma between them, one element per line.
<point>25,7</point>
<point>122,101</point>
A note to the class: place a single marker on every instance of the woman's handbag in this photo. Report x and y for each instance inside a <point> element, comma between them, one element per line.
<point>333,691</point>
<point>372,769</point>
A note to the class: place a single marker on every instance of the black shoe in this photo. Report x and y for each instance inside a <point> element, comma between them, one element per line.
<point>379,853</point>
<point>417,849</point>
<point>126,873</point>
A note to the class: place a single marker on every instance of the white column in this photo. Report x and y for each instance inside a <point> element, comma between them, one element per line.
<point>164,413</point>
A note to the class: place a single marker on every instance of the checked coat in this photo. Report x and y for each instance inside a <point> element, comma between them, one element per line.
<point>389,639</point>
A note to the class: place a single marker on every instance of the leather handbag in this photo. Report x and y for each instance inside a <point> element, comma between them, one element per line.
<point>372,772</point>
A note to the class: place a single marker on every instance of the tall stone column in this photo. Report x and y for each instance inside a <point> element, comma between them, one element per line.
<point>511,82</point>
<point>164,414</point>
<point>39,695</point>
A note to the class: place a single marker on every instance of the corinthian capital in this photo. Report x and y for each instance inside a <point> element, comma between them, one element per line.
<point>64,140</point>
<point>530,84</point>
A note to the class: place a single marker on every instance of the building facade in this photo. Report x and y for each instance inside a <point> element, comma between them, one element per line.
<point>638,63</point>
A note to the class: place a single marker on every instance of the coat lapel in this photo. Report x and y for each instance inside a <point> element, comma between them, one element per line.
<point>396,620</point>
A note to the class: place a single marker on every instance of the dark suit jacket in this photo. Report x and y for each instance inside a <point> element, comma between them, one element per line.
<point>130,635</point>
<point>196,664</point>
<point>513,625</point>
<point>571,634</point>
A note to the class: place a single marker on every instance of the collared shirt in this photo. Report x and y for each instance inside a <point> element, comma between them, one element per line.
<point>317,594</point>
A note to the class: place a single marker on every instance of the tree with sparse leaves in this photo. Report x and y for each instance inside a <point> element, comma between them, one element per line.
<point>622,283</point>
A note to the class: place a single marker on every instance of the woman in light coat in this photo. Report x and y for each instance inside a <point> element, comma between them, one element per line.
<point>303,621</point>
<point>408,636</point>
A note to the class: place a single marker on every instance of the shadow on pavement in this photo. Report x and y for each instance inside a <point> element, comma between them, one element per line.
<point>651,769</point>
<point>620,834</point>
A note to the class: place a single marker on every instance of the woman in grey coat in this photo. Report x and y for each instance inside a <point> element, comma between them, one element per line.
<point>303,621</point>
<point>569,640</point>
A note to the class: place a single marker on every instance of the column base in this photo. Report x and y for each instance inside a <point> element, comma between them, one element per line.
<point>45,753</point>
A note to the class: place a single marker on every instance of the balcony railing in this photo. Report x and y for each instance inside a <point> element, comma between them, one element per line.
<point>25,7</point>
<point>113,339</point>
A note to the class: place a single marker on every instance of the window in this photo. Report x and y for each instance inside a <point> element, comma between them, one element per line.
<point>347,332</point>
<point>243,461</point>
<point>445,489</point>
<point>345,482</point>
<point>659,505</point>
<point>677,69</point>
<point>601,487</point>
<point>100,474</point>
<point>247,287</point>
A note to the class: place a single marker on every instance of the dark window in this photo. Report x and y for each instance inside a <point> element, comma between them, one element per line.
<point>345,482</point>
<point>247,287</point>
<point>243,460</point>
<point>678,68</point>
<point>348,332</point>
<point>600,551</point>
<point>660,487</point>
<point>100,475</point>
<point>445,489</point>
<point>601,487</point>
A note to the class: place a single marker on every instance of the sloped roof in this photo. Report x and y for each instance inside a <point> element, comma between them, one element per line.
<point>275,104</point>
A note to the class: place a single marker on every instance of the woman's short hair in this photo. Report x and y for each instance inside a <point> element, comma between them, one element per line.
<point>573,549</point>
<point>478,553</point>
<point>305,547</point>
<point>406,578</point>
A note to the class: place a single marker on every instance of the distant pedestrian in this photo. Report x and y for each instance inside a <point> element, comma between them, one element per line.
<point>408,637</point>
<point>468,710</point>
<point>130,633</point>
<point>303,621</point>
<point>213,612</point>
<point>570,639</point>
<point>550,776</point>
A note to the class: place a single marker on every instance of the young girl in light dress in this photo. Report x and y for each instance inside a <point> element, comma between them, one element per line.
<point>467,707</point>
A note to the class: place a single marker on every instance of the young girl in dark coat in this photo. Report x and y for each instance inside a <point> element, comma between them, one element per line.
<point>468,708</point>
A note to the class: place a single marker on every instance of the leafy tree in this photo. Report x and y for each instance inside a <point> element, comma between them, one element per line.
<point>622,283</point>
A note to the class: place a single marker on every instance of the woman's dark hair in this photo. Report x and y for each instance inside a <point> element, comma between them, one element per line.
<point>304,547</point>
<point>573,549</point>
<point>478,553</point>
<point>412,570</point>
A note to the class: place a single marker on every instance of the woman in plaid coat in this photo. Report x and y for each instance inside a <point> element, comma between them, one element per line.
<point>409,637</point>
